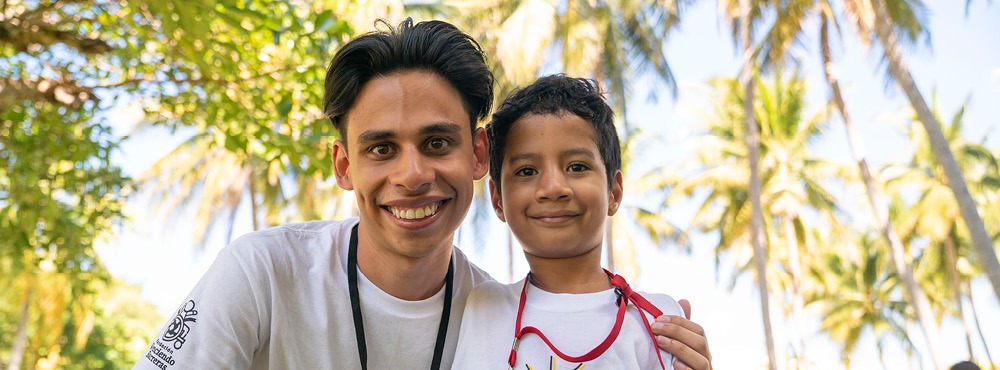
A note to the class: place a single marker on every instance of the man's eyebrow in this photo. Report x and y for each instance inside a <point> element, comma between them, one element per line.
<point>441,128</point>
<point>375,135</point>
<point>381,135</point>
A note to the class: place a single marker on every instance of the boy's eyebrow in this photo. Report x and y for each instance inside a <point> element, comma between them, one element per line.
<point>522,157</point>
<point>566,153</point>
<point>578,151</point>
<point>436,128</point>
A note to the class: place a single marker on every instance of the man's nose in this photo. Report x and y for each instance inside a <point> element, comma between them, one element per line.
<point>412,170</point>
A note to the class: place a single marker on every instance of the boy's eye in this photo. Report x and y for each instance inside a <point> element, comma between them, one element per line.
<point>438,144</point>
<point>526,171</point>
<point>577,167</point>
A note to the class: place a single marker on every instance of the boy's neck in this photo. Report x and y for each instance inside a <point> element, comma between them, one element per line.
<point>576,275</point>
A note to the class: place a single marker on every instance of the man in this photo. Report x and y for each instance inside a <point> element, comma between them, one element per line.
<point>386,290</point>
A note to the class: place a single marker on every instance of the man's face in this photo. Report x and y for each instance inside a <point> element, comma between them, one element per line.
<point>411,160</point>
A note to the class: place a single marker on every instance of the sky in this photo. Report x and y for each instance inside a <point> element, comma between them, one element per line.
<point>961,64</point>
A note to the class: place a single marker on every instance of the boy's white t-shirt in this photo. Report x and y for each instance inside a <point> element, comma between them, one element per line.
<point>278,299</point>
<point>574,323</point>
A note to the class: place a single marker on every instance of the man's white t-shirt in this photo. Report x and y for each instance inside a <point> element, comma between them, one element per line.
<point>574,323</point>
<point>279,299</point>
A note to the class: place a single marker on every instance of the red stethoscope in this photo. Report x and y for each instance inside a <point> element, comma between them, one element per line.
<point>625,295</point>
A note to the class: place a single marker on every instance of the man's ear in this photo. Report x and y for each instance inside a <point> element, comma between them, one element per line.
<point>480,153</point>
<point>341,163</point>
<point>495,200</point>
<point>615,195</point>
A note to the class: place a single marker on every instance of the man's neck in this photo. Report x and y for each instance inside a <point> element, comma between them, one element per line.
<point>579,274</point>
<point>404,277</point>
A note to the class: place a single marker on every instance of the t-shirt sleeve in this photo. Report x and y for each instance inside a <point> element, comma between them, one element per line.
<point>669,306</point>
<point>479,342</point>
<point>215,327</point>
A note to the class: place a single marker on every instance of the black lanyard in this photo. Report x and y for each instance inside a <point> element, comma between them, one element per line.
<point>359,325</point>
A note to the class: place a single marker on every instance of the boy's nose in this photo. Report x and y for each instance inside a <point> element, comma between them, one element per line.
<point>552,185</point>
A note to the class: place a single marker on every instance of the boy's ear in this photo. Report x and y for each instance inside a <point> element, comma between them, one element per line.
<point>481,153</point>
<point>496,201</point>
<point>615,195</point>
<point>340,166</point>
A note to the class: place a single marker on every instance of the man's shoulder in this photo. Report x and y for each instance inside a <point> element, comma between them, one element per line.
<point>292,239</point>
<point>465,266</point>
<point>494,290</point>
<point>307,227</point>
<point>492,300</point>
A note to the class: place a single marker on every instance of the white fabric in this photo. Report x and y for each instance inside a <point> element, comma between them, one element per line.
<point>278,299</point>
<point>574,323</point>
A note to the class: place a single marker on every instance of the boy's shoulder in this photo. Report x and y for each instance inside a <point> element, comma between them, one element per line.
<point>664,302</point>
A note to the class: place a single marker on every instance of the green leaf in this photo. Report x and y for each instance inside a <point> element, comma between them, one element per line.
<point>285,105</point>
<point>324,21</point>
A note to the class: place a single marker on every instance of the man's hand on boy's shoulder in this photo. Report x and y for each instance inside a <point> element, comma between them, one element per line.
<point>684,339</point>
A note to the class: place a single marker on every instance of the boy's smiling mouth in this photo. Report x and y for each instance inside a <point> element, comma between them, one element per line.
<point>554,217</point>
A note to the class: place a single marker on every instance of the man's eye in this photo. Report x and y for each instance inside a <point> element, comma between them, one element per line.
<point>577,167</point>
<point>437,144</point>
<point>527,171</point>
<point>380,150</point>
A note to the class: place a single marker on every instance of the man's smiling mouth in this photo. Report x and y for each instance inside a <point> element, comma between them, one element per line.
<point>414,213</point>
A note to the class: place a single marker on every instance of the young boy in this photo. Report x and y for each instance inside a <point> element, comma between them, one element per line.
<point>555,176</point>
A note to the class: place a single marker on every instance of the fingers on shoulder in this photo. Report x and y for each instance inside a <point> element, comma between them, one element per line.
<point>680,323</point>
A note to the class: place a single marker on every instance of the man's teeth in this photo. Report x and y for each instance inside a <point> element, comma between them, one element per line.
<point>414,213</point>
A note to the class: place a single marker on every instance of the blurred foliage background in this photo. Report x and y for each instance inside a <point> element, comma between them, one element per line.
<point>244,78</point>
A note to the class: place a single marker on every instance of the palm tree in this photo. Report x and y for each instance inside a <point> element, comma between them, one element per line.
<point>201,169</point>
<point>784,33</point>
<point>792,180</point>
<point>636,221</point>
<point>743,15</point>
<point>857,293</point>
<point>51,294</point>
<point>934,216</point>
<point>881,19</point>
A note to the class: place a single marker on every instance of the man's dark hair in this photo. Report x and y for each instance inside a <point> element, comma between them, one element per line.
<point>556,94</point>
<point>432,46</point>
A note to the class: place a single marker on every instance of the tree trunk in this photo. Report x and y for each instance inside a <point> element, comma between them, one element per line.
<point>610,244</point>
<point>979,328</point>
<point>753,148</point>
<point>253,200</point>
<point>949,254</point>
<point>939,144</point>
<point>881,213</point>
<point>510,256</point>
<point>21,336</point>
<point>795,269</point>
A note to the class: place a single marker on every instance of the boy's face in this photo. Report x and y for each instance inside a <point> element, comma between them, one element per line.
<point>555,191</point>
<point>411,160</point>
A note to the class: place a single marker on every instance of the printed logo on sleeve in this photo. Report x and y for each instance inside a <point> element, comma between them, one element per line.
<point>178,329</point>
<point>162,349</point>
